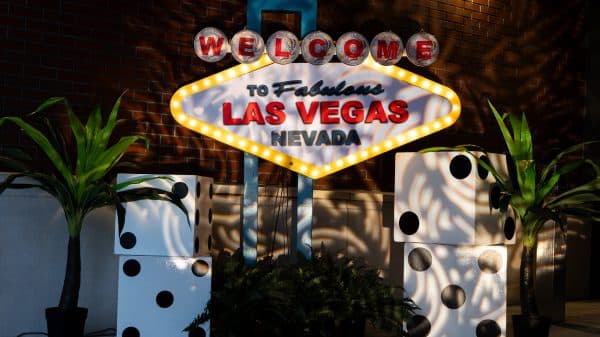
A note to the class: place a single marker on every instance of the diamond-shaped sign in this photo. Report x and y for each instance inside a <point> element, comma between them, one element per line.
<point>315,120</point>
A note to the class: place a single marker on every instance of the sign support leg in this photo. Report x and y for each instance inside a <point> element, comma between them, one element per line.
<point>250,209</point>
<point>304,214</point>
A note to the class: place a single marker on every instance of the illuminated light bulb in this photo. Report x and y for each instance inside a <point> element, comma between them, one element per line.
<point>217,133</point>
<point>231,73</point>
<point>448,120</point>
<point>266,153</point>
<point>413,78</point>
<point>339,163</point>
<point>181,118</point>
<point>425,84</point>
<point>175,104</point>
<point>351,158</point>
<point>315,173</point>
<point>376,149</point>
<point>204,129</point>
<point>437,90</point>
<point>183,92</point>
<point>389,69</point>
<point>278,158</point>
<point>388,144</point>
<point>206,82</point>
<point>254,148</point>
<point>364,154</point>
<point>425,129</point>
<point>219,78</point>
<point>400,139</point>
<point>243,143</point>
<point>401,73</point>
<point>303,168</point>
<point>437,125</point>
<point>327,168</point>
<point>195,88</point>
<point>449,94</point>
<point>229,138</point>
<point>193,122</point>
<point>413,134</point>
<point>245,68</point>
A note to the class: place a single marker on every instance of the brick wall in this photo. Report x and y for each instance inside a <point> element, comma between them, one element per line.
<point>524,55</point>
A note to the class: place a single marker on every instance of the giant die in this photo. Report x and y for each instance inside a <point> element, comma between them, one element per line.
<point>446,198</point>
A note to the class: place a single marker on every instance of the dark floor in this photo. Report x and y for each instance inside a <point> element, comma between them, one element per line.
<point>582,318</point>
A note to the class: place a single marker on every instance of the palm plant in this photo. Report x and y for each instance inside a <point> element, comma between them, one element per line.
<point>532,192</point>
<point>82,185</point>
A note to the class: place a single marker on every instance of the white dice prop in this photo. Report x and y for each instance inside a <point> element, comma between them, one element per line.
<point>203,216</point>
<point>160,296</point>
<point>446,198</point>
<point>461,290</point>
<point>155,227</point>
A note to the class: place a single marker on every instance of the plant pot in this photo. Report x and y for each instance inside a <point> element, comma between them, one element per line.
<point>351,328</point>
<point>529,326</point>
<point>63,323</point>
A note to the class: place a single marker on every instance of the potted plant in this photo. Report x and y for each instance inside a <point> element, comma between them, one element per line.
<point>80,184</point>
<point>532,191</point>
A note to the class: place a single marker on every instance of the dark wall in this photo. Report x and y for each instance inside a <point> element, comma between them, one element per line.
<point>524,55</point>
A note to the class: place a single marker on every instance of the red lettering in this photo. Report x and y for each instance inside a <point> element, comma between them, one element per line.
<point>209,44</point>
<point>253,114</point>
<point>424,50</point>
<point>317,52</point>
<point>353,112</point>
<point>276,113</point>
<point>278,50</point>
<point>353,52</point>
<point>328,110</point>
<point>387,51</point>
<point>227,119</point>
<point>399,111</point>
<point>376,112</point>
<point>246,46</point>
<point>307,116</point>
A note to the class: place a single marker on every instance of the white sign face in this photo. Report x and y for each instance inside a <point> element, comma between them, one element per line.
<point>315,120</point>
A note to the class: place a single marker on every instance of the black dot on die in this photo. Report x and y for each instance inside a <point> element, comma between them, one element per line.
<point>509,228</point>
<point>131,267</point>
<point>180,189</point>
<point>164,299</point>
<point>127,240</point>
<point>198,187</point>
<point>495,192</point>
<point>197,217</point>
<point>418,326</point>
<point>453,296</point>
<point>409,223</point>
<point>482,172</point>
<point>210,216</point>
<point>196,245</point>
<point>130,332</point>
<point>419,259</point>
<point>489,262</point>
<point>488,328</point>
<point>200,268</point>
<point>197,332</point>
<point>210,191</point>
<point>460,167</point>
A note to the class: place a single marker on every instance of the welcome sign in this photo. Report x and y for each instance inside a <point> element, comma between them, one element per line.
<point>315,119</point>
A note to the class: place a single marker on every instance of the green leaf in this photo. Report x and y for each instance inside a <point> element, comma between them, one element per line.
<point>140,180</point>
<point>548,169</point>
<point>48,103</point>
<point>505,133</point>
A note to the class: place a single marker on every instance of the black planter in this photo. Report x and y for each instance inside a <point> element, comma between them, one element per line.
<point>66,323</point>
<point>527,326</point>
<point>351,328</point>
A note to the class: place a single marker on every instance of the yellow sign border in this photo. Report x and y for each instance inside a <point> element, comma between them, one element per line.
<point>296,164</point>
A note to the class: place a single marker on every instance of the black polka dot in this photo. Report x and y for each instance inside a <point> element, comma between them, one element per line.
<point>197,217</point>
<point>210,216</point>
<point>198,189</point>
<point>130,332</point>
<point>495,192</point>
<point>127,240</point>
<point>490,262</point>
<point>482,172</point>
<point>210,191</point>
<point>180,189</point>
<point>488,328</point>
<point>131,267</point>
<point>460,167</point>
<point>196,245</point>
<point>200,268</point>
<point>509,228</point>
<point>164,299</point>
<point>418,326</point>
<point>419,259</point>
<point>409,223</point>
<point>209,242</point>
<point>197,332</point>
<point>453,296</point>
